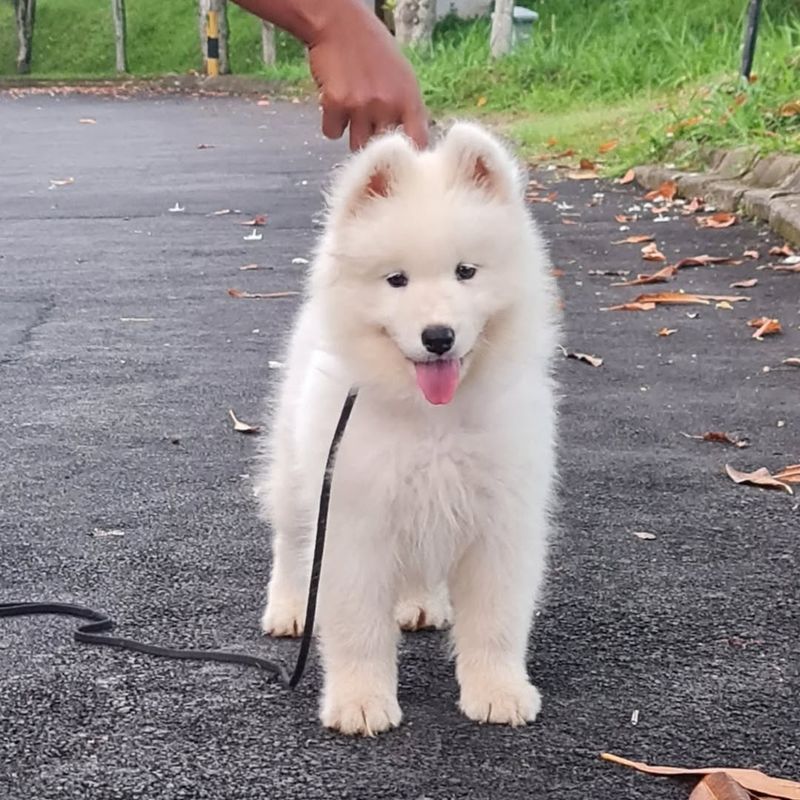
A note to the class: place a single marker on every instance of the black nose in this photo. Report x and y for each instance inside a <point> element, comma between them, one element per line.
<point>438,339</point>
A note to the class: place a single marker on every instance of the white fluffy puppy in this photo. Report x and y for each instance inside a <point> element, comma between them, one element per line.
<point>431,292</point>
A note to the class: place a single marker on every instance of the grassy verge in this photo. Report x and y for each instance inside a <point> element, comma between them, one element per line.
<point>638,72</point>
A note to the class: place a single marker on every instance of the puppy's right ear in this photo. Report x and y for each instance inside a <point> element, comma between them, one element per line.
<point>371,175</point>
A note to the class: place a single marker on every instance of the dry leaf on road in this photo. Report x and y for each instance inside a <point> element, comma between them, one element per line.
<point>792,362</point>
<point>623,218</point>
<point>667,191</point>
<point>667,331</point>
<point>747,284</point>
<point>681,298</point>
<point>751,254</point>
<point>61,182</point>
<point>240,295</point>
<point>761,477</point>
<point>650,252</point>
<point>718,436</point>
<point>694,205</point>
<point>594,361</point>
<point>87,121</point>
<point>662,276</point>
<point>634,306</point>
<point>242,427</point>
<point>586,164</point>
<point>722,219</point>
<point>645,535</point>
<point>257,221</point>
<point>628,177</point>
<point>639,238</point>
<point>766,327</point>
<point>781,251</point>
<point>703,261</point>
<point>751,779</point>
<point>719,786</point>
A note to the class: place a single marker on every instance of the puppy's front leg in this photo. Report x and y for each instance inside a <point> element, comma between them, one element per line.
<point>358,633</point>
<point>493,592</point>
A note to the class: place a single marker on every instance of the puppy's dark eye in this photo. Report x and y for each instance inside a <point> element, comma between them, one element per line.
<point>397,280</point>
<point>465,271</point>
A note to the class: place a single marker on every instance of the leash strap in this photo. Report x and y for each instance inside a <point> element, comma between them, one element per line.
<point>93,631</point>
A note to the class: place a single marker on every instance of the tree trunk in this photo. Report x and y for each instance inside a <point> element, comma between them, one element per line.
<point>268,44</point>
<point>25,14</point>
<point>414,21</point>
<point>221,7</point>
<point>118,9</point>
<point>502,27</point>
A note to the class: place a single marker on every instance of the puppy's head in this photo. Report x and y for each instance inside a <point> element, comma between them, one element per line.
<point>424,254</point>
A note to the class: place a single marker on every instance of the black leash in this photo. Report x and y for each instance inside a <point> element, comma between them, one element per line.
<point>93,632</point>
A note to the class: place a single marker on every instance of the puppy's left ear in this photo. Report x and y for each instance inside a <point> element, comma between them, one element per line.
<point>475,159</point>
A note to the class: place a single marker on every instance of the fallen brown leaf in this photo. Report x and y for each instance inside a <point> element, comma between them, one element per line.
<point>725,305</point>
<point>789,474</point>
<point>694,205</point>
<point>751,779</point>
<point>242,427</point>
<point>650,252</point>
<point>249,267</point>
<point>638,238</point>
<point>587,164</point>
<point>240,295</point>
<point>760,477</point>
<point>633,306</point>
<point>686,298</point>
<point>557,272</point>
<point>607,147</point>
<point>719,786</point>
<point>667,191</point>
<point>550,198</point>
<point>667,331</point>
<point>751,254</point>
<point>481,101</point>
<point>703,261</point>
<point>718,436</point>
<point>746,284</point>
<point>623,218</point>
<point>568,221</point>
<point>722,219</point>
<point>628,177</point>
<point>790,109</point>
<point>662,276</point>
<point>552,141</point>
<point>766,327</point>
<point>257,221</point>
<point>792,362</point>
<point>781,251</point>
<point>594,361</point>
<point>583,175</point>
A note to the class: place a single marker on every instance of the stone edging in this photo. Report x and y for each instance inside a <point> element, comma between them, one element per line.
<point>766,188</point>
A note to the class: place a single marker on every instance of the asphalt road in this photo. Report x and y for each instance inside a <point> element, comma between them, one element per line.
<point>120,355</point>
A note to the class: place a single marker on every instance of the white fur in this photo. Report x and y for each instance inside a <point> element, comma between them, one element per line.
<point>425,498</point>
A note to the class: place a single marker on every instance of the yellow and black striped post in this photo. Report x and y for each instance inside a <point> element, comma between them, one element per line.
<point>212,44</point>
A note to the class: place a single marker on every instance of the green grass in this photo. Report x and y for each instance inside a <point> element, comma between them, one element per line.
<point>595,70</point>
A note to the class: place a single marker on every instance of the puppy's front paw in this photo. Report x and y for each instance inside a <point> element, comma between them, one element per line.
<point>503,702</point>
<point>284,617</point>
<point>361,712</point>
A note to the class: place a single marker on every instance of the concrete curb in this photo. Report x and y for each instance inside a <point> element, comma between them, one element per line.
<point>765,188</point>
<point>169,84</point>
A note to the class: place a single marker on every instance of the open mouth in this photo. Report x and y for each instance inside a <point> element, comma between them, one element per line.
<point>438,379</point>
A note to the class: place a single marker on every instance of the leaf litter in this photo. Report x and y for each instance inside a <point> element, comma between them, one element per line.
<point>720,437</point>
<point>238,294</point>
<point>752,780</point>
<point>242,427</point>
<point>763,477</point>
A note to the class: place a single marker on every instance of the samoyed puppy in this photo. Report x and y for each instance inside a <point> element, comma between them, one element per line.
<point>431,293</point>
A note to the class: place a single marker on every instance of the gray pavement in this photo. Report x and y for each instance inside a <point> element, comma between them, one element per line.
<point>120,354</point>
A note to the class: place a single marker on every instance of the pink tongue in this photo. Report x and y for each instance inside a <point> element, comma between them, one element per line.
<point>438,380</point>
